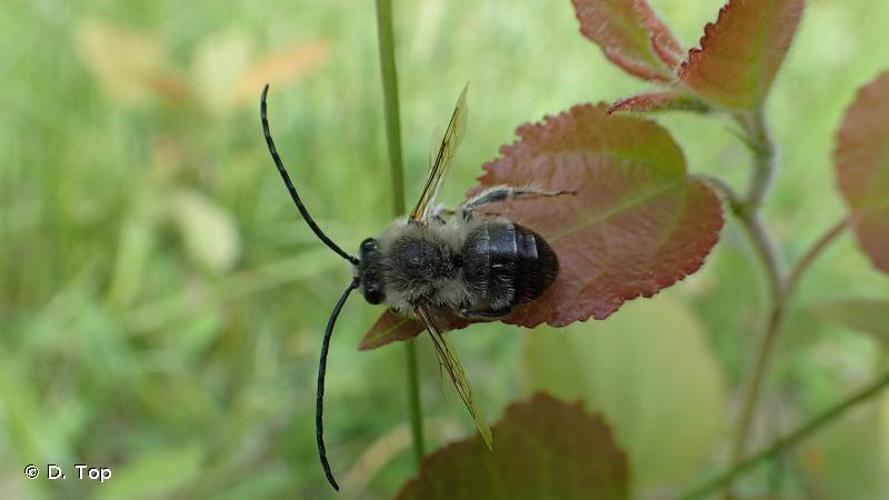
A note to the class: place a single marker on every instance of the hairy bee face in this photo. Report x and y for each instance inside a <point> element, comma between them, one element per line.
<point>370,272</point>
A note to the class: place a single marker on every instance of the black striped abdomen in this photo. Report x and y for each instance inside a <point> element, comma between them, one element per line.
<point>507,264</point>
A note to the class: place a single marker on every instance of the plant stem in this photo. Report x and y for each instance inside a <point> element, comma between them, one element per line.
<point>413,395</point>
<point>767,251</point>
<point>755,229</point>
<point>390,101</point>
<point>731,197</point>
<point>396,169</point>
<point>760,367</point>
<point>760,141</point>
<point>781,444</point>
<point>786,289</point>
<point>748,212</point>
<point>812,253</point>
<point>781,288</point>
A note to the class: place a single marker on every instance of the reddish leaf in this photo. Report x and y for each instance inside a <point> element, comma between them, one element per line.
<point>637,225</point>
<point>631,36</point>
<point>543,448</point>
<point>862,168</point>
<point>741,53</point>
<point>667,49</point>
<point>669,100</point>
<point>391,327</point>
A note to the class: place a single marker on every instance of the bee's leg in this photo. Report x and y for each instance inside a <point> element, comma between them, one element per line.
<point>506,193</point>
<point>439,211</point>
<point>485,314</point>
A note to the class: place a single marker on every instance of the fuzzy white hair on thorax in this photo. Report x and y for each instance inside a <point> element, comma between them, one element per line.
<point>441,291</point>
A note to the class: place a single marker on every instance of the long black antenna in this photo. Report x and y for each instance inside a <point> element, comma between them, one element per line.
<point>284,175</point>
<point>322,371</point>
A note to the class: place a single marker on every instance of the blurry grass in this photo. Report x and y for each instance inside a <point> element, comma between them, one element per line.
<point>131,340</point>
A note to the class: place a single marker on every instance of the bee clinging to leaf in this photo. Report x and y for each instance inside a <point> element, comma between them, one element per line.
<point>437,262</point>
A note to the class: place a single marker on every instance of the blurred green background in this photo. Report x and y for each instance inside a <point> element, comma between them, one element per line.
<point>162,304</point>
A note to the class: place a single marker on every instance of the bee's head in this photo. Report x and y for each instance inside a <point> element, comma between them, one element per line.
<point>369,271</point>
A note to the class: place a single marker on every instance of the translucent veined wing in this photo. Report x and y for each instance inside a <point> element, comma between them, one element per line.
<point>434,145</point>
<point>438,168</point>
<point>451,363</point>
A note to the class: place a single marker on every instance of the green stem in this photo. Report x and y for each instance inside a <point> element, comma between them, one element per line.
<point>413,395</point>
<point>814,251</point>
<point>781,444</point>
<point>756,231</point>
<point>390,101</point>
<point>748,212</point>
<point>759,140</point>
<point>783,289</point>
<point>396,169</point>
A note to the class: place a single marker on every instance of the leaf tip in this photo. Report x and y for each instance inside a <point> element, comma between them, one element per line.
<point>739,54</point>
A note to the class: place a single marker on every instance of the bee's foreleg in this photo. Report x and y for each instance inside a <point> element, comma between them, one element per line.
<point>505,193</point>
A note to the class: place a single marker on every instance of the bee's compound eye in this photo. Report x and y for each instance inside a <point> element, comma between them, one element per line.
<point>373,293</point>
<point>368,246</point>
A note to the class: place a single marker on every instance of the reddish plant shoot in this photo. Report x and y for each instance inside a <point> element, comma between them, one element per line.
<point>639,223</point>
<point>733,67</point>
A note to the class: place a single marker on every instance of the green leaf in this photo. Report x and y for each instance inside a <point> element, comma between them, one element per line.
<point>862,168</point>
<point>543,448</point>
<point>741,52</point>
<point>649,371</point>
<point>863,315</point>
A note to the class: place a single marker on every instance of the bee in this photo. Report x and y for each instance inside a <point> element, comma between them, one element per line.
<point>437,261</point>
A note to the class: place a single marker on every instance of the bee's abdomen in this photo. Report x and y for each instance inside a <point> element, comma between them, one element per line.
<point>508,264</point>
<point>538,265</point>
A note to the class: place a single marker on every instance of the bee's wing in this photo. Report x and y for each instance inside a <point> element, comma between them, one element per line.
<point>451,363</point>
<point>440,163</point>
